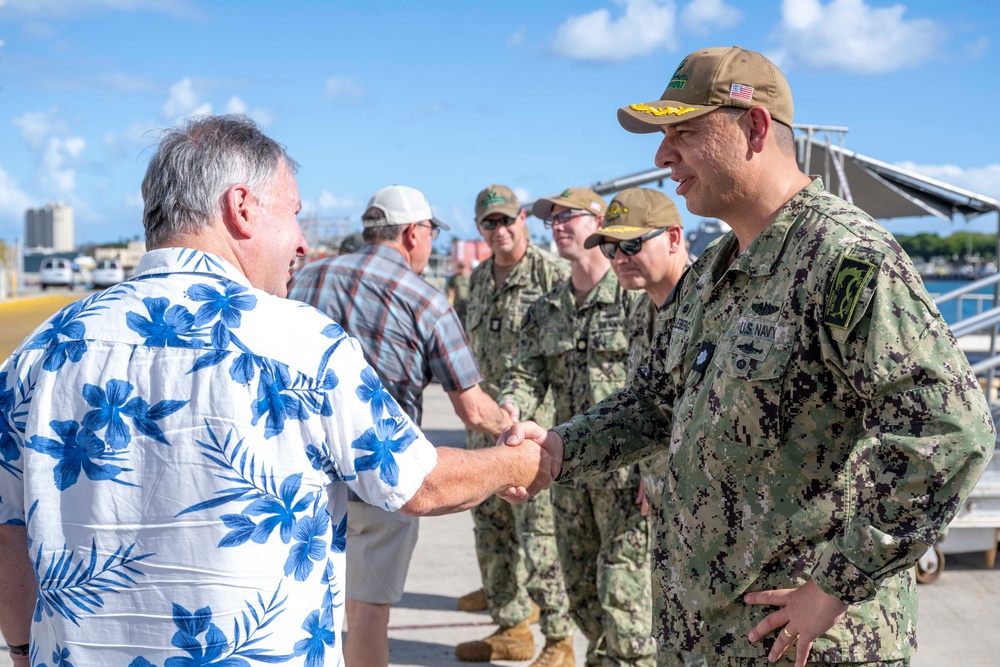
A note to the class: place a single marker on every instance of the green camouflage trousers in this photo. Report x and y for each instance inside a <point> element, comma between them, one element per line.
<point>681,659</point>
<point>604,549</point>
<point>516,547</point>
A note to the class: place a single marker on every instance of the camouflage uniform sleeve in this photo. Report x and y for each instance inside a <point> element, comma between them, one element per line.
<point>926,432</point>
<point>525,383</point>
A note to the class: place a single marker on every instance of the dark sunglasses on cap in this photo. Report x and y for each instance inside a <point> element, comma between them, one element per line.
<point>489,224</point>
<point>630,247</point>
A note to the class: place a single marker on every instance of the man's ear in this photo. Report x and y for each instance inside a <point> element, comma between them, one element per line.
<point>409,236</point>
<point>759,127</point>
<point>238,209</point>
<point>676,235</point>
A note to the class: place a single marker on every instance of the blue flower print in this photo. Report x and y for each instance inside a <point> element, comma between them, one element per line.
<point>338,542</point>
<point>372,391</point>
<point>388,437</point>
<point>189,626</point>
<point>218,651</point>
<point>9,447</point>
<point>320,628</point>
<point>277,406</point>
<point>167,326</point>
<point>282,513</point>
<point>225,305</point>
<point>77,450</point>
<point>141,662</point>
<point>308,546</point>
<point>66,325</point>
<point>108,404</point>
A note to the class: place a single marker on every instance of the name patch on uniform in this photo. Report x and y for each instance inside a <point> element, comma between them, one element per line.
<point>704,357</point>
<point>494,324</point>
<point>850,280</point>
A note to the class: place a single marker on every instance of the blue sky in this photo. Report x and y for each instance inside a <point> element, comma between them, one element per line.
<point>449,97</point>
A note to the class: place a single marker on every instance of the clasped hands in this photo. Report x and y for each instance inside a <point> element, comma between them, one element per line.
<point>546,445</point>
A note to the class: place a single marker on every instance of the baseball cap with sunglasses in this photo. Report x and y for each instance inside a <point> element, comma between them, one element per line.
<point>563,217</point>
<point>630,247</point>
<point>489,224</point>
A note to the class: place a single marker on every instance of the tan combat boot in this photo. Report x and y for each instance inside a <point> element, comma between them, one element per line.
<point>474,601</point>
<point>557,653</point>
<point>510,643</point>
<point>536,614</point>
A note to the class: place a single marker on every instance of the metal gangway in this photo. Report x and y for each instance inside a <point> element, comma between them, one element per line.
<point>976,527</point>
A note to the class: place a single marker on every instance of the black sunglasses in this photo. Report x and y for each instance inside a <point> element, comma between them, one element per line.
<point>630,247</point>
<point>489,224</point>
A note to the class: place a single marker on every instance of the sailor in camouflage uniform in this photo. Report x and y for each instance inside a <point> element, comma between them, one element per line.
<point>515,544</point>
<point>643,237</point>
<point>821,423</point>
<point>575,342</point>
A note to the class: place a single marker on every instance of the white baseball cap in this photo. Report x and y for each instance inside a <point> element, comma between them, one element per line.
<point>398,205</point>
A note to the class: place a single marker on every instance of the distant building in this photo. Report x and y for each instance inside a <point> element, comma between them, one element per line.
<point>50,228</point>
<point>129,255</point>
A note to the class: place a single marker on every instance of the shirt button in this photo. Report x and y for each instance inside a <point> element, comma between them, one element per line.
<point>741,364</point>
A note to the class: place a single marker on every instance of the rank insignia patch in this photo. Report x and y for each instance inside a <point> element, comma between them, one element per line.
<point>850,280</point>
<point>704,356</point>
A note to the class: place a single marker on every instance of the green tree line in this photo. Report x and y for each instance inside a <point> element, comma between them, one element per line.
<point>960,245</point>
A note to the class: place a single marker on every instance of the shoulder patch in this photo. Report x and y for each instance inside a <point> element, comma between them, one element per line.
<point>848,282</point>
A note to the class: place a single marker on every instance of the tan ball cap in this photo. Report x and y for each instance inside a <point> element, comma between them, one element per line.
<point>579,199</point>
<point>634,213</point>
<point>496,199</point>
<point>712,78</point>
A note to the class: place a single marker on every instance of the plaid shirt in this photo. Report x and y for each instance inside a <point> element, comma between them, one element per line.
<point>408,331</point>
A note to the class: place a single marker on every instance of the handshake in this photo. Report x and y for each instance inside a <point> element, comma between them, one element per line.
<point>538,456</point>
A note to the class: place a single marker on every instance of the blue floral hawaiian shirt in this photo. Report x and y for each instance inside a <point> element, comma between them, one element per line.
<point>176,446</point>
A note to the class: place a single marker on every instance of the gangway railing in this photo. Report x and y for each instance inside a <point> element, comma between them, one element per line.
<point>986,320</point>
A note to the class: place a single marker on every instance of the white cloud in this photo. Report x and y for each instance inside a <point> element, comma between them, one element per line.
<point>328,200</point>
<point>260,115</point>
<point>57,169</point>
<point>184,102</point>
<point>344,90</point>
<point>522,194</point>
<point>702,15</point>
<point>981,180</point>
<point>58,154</point>
<point>852,36</point>
<point>646,26</point>
<point>517,39</point>
<point>37,126</point>
<point>13,200</point>
<point>236,105</point>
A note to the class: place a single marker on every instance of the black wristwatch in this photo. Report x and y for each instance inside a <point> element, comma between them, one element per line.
<point>19,650</point>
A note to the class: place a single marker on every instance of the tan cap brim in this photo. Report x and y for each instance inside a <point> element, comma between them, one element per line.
<point>651,116</point>
<point>618,232</point>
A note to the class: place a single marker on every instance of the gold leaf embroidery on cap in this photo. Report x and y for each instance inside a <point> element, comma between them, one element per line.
<point>665,111</point>
<point>615,210</point>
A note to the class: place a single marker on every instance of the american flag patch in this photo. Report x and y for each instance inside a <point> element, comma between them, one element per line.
<point>741,92</point>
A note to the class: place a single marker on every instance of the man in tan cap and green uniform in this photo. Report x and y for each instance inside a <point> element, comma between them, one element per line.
<point>821,425</point>
<point>575,343</point>
<point>643,238</point>
<point>515,544</point>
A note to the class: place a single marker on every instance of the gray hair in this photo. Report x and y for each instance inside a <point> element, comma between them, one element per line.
<point>196,164</point>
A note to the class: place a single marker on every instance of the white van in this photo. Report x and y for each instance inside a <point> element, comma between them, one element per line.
<point>56,271</point>
<point>108,272</point>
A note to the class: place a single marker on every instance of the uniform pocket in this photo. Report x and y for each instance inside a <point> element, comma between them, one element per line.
<point>748,384</point>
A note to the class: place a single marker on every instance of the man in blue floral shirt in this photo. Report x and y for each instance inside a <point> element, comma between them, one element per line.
<point>411,334</point>
<point>175,452</point>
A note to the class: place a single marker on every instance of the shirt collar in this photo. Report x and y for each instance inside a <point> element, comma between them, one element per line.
<point>188,260</point>
<point>764,252</point>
